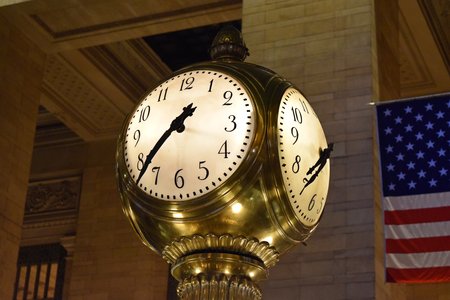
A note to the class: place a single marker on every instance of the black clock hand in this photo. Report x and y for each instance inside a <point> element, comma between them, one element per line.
<point>324,155</point>
<point>177,124</point>
<point>321,162</point>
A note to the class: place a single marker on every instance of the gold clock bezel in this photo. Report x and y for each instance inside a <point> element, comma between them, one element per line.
<point>214,199</point>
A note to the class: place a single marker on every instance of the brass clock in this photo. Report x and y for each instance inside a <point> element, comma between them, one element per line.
<point>223,167</point>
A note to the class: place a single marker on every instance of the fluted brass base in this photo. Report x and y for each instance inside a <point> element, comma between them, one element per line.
<point>208,276</point>
<point>201,287</point>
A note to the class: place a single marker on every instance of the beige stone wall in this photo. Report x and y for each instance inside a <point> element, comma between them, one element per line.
<point>21,68</point>
<point>109,260</point>
<point>324,47</point>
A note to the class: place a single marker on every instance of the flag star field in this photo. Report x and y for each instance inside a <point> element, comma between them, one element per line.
<point>415,146</point>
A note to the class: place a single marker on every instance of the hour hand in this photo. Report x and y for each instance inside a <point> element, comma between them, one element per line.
<point>178,123</point>
<point>324,155</point>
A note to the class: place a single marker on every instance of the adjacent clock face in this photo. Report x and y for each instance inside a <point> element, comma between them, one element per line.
<point>189,135</point>
<point>302,152</point>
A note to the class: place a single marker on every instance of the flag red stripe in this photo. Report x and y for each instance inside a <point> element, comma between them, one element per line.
<point>431,244</point>
<point>422,215</point>
<point>436,274</point>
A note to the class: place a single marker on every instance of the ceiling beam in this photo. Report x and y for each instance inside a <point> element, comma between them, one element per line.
<point>66,25</point>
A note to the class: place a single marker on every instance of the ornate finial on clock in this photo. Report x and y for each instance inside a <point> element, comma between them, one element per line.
<point>228,44</point>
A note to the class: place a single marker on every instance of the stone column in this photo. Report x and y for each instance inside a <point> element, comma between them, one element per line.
<point>21,70</point>
<point>68,242</point>
<point>324,47</point>
<point>386,58</point>
<point>386,83</point>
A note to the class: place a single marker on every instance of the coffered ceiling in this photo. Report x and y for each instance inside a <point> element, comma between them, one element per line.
<point>92,89</point>
<point>101,58</point>
<point>424,41</point>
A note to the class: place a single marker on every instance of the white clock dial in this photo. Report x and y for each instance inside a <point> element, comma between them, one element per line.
<point>302,151</point>
<point>217,119</point>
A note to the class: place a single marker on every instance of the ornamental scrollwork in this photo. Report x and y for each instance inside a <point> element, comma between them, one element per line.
<point>51,196</point>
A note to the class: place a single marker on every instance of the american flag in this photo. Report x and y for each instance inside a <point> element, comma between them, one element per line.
<point>414,147</point>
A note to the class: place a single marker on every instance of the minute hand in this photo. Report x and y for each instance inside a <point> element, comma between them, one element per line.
<point>325,154</point>
<point>178,125</point>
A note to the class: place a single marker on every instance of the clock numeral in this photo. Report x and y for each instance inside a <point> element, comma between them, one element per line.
<point>227,96</point>
<point>137,136</point>
<point>305,108</point>
<point>210,85</point>
<point>321,205</point>
<point>140,162</point>
<point>156,170</point>
<point>179,180</point>
<point>297,115</point>
<point>232,119</point>
<point>186,84</point>
<point>294,133</point>
<point>312,202</point>
<point>203,168</point>
<point>224,150</point>
<point>296,164</point>
<point>145,112</point>
<point>162,94</point>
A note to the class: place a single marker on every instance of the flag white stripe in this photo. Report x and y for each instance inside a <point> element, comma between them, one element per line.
<point>418,260</point>
<point>419,230</point>
<point>416,201</point>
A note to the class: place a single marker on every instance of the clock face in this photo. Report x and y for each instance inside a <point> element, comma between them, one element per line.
<point>302,152</point>
<point>189,135</point>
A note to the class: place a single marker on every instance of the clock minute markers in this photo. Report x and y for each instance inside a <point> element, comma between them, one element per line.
<point>178,125</point>
<point>321,162</point>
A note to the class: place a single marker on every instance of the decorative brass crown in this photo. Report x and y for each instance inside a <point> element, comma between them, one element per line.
<point>223,243</point>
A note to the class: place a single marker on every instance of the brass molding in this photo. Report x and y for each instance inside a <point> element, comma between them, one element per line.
<point>219,263</point>
<point>224,243</point>
<point>218,287</point>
